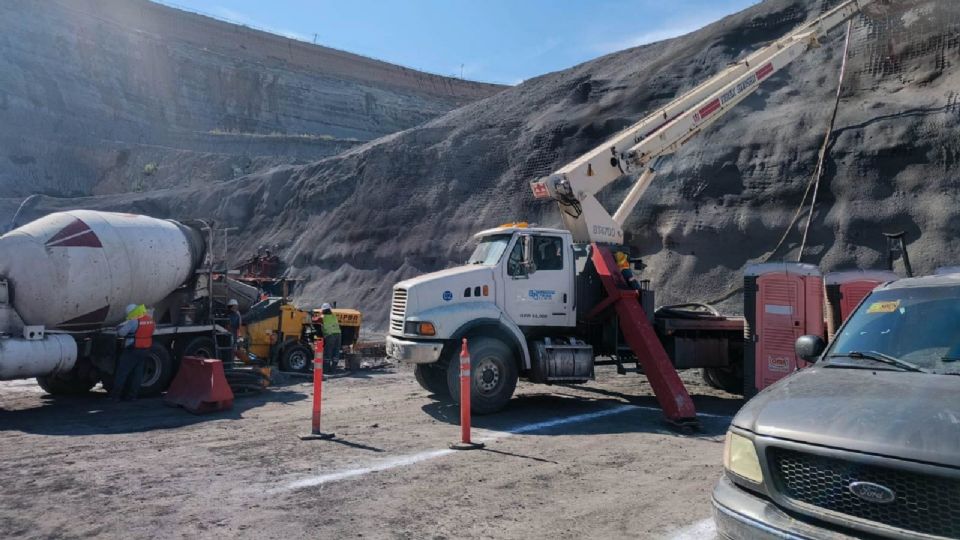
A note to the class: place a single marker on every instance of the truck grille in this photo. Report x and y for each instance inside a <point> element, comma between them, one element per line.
<point>398,310</point>
<point>923,503</point>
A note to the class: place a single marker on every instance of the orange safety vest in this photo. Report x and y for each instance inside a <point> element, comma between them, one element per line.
<point>143,337</point>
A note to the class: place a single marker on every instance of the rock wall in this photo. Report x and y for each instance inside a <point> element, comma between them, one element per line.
<point>92,92</point>
<point>408,203</point>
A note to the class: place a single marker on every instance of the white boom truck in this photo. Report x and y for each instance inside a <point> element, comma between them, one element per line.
<point>545,304</point>
<point>65,280</point>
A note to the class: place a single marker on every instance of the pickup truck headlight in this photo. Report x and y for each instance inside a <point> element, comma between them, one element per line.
<point>740,458</point>
<point>420,328</point>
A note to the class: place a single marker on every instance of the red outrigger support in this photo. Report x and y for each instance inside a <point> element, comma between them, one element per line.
<point>642,339</point>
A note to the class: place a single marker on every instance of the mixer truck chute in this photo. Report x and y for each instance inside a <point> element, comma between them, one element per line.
<point>65,280</point>
<point>550,304</point>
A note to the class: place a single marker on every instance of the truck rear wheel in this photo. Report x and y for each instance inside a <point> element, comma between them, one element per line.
<point>199,346</point>
<point>727,379</point>
<point>157,370</point>
<point>493,373</point>
<point>433,379</point>
<point>65,386</point>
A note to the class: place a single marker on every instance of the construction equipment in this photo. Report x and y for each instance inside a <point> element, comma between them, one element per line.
<point>349,321</point>
<point>550,304</point>
<point>279,333</point>
<point>65,279</point>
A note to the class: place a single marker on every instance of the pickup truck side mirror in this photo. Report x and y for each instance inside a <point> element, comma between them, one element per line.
<point>809,348</point>
<point>527,263</point>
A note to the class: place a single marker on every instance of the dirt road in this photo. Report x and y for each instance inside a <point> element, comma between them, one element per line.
<point>561,462</point>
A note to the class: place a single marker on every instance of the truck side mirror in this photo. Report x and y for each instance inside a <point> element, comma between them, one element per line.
<point>527,263</point>
<point>809,348</point>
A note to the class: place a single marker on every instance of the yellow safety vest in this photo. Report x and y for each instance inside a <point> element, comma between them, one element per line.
<point>330,324</point>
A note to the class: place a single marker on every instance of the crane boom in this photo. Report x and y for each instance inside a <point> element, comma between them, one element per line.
<point>635,148</point>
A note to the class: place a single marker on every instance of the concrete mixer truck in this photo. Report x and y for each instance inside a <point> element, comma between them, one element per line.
<point>65,280</point>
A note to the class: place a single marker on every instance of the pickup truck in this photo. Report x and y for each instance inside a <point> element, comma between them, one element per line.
<point>866,442</point>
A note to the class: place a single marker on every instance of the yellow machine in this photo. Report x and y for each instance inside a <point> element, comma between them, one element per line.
<point>279,332</point>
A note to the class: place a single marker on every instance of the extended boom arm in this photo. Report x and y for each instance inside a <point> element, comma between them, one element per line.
<point>633,150</point>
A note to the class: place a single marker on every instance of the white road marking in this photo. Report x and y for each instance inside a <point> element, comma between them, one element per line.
<point>484,435</point>
<point>701,530</point>
<point>384,465</point>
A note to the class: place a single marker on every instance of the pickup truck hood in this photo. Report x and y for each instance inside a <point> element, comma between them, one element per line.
<point>898,414</point>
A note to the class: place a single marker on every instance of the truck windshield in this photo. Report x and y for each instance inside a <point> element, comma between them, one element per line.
<point>919,325</point>
<point>490,249</point>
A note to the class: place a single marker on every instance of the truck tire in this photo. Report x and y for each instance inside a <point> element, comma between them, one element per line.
<point>727,379</point>
<point>158,370</point>
<point>200,346</point>
<point>296,357</point>
<point>433,379</point>
<point>493,373</point>
<point>65,386</point>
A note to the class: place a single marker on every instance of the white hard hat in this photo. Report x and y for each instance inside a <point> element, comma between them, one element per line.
<point>233,302</point>
<point>130,308</point>
<point>325,306</point>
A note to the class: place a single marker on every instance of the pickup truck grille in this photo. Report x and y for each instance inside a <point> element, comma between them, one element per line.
<point>924,503</point>
<point>398,310</point>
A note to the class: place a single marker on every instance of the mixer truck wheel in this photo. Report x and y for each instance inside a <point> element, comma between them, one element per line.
<point>493,371</point>
<point>201,346</point>
<point>157,370</point>
<point>59,386</point>
<point>433,379</point>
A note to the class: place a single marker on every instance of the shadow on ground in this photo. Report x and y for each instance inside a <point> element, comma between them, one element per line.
<point>95,414</point>
<point>529,409</point>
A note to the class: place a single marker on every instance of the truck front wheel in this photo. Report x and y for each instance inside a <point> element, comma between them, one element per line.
<point>433,379</point>
<point>493,373</point>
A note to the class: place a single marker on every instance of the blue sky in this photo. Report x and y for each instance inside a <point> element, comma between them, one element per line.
<point>504,41</point>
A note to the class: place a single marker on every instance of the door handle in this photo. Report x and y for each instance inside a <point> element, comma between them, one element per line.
<point>564,298</point>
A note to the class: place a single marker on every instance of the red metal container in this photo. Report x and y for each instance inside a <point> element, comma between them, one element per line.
<point>843,292</point>
<point>782,301</point>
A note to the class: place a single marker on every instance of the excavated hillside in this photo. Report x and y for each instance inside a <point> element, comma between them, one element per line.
<point>112,96</point>
<point>408,203</point>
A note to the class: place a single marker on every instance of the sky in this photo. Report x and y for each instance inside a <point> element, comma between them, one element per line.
<point>501,41</point>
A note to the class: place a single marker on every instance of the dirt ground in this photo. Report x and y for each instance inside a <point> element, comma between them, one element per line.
<point>591,461</point>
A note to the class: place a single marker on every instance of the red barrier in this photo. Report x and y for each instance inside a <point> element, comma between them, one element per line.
<point>315,432</point>
<point>200,386</point>
<point>465,384</point>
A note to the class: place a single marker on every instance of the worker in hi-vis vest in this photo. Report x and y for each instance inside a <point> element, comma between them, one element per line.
<point>331,337</point>
<point>137,334</point>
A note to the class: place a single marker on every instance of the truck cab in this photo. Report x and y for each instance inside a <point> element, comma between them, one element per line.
<point>518,284</point>
<point>863,444</point>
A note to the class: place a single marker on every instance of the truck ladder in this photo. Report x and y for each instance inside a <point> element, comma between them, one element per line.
<point>669,390</point>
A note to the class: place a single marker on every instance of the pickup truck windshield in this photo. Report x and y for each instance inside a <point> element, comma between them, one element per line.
<point>490,249</point>
<point>920,325</point>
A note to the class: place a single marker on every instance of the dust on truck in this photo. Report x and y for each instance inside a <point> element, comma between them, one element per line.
<point>65,281</point>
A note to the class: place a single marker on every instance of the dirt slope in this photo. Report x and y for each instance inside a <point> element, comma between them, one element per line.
<point>408,202</point>
<point>93,92</point>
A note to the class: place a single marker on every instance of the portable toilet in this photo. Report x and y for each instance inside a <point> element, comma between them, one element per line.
<point>843,292</point>
<point>782,301</point>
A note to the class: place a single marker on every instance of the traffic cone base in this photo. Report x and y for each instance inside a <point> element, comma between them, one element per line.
<point>466,445</point>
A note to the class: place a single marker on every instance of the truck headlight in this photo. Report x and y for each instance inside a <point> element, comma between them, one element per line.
<point>420,328</point>
<point>740,457</point>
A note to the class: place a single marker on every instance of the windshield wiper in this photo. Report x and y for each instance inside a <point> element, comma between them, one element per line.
<point>882,358</point>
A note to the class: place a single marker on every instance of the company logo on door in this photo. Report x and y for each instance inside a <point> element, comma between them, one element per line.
<point>779,363</point>
<point>540,294</point>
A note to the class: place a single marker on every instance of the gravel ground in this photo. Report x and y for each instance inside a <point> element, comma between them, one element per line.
<point>604,467</point>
